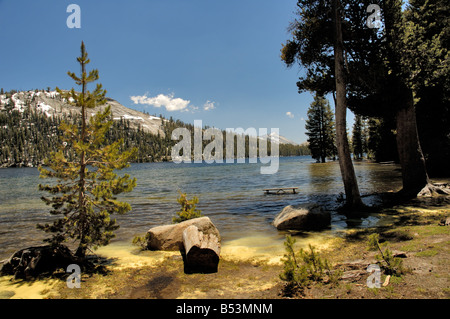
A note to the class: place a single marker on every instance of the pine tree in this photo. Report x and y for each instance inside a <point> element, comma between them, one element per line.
<point>320,129</point>
<point>359,142</point>
<point>427,54</point>
<point>319,34</point>
<point>86,188</point>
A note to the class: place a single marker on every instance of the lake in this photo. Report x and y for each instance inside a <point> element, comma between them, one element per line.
<point>230,194</point>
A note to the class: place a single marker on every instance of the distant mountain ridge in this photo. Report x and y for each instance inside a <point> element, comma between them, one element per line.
<point>276,138</point>
<point>30,129</point>
<point>51,103</point>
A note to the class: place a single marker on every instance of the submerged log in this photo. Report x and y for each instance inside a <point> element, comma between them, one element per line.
<point>201,251</point>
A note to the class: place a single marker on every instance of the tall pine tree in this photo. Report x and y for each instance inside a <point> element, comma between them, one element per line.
<point>318,46</point>
<point>84,195</point>
<point>320,129</point>
<point>359,137</point>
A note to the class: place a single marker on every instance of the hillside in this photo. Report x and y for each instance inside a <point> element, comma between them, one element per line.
<point>30,120</point>
<point>274,137</point>
<point>51,104</point>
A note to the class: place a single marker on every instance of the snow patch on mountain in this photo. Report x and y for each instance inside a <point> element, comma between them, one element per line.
<point>51,103</point>
<point>276,138</point>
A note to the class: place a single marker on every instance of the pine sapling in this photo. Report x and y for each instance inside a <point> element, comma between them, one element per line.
<point>188,209</point>
<point>84,195</point>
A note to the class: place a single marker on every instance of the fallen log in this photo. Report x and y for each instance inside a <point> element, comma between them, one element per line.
<point>201,252</point>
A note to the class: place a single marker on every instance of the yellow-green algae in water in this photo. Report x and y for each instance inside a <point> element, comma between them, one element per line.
<point>270,249</point>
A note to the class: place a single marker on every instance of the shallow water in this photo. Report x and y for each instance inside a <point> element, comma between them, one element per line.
<point>230,194</point>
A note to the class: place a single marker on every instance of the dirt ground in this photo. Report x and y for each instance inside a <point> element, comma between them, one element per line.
<point>415,234</point>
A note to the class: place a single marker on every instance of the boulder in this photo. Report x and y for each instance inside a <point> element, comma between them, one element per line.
<point>170,237</point>
<point>302,217</point>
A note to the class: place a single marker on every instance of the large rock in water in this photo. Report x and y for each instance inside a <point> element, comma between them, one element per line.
<point>302,217</point>
<point>170,237</point>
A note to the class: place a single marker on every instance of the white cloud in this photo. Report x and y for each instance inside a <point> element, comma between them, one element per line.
<point>167,101</point>
<point>290,115</point>
<point>170,102</point>
<point>209,105</point>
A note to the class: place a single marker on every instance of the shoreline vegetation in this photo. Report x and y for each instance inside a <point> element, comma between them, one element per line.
<point>417,233</point>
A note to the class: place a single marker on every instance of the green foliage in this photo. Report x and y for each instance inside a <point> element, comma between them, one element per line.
<point>320,129</point>
<point>86,187</point>
<point>26,138</point>
<point>188,209</point>
<point>359,137</point>
<point>141,241</point>
<point>305,266</point>
<point>427,47</point>
<point>391,265</point>
<point>381,143</point>
<point>294,150</point>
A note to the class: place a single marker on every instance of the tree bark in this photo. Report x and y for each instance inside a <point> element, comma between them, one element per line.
<point>201,251</point>
<point>414,173</point>
<point>81,250</point>
<point>352,196</point>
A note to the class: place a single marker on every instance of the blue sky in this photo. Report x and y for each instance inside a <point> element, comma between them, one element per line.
<point>209,60</point>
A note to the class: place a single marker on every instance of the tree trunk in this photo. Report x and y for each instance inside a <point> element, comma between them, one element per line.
<point>81,250</point>
<point>201,251</point>
<point>352,196</point>
<point>414,173</point>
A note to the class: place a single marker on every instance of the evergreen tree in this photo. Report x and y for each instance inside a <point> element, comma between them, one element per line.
<point>318,46</point>
<point>320,129</point>
<point>359,140</point>
<point>86,188</point>
<point>427,47</point>
<point>381,145</point>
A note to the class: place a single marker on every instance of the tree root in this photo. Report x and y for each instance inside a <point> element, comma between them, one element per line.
<point>43,261</point>
<point>431,190</point>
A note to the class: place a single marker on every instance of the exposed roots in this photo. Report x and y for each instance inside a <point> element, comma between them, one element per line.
<point>431,190</point>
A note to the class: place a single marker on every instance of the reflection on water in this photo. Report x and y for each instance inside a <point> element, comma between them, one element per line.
<point>230,194</point>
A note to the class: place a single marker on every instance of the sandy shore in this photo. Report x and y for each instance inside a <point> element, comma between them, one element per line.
<point>250,266</point>
<point>123,257</point>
